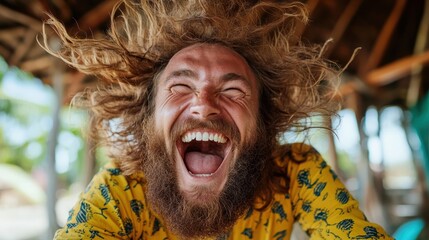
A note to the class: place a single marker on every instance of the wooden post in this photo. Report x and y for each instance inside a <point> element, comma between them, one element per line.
<point>50,156</point>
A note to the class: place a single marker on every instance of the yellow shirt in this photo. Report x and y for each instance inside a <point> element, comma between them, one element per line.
<point>114,207</point>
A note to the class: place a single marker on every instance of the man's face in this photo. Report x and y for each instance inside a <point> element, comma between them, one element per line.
<point>206,107</point>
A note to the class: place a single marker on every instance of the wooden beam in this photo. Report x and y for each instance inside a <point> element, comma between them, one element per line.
<point>57,8</point>
<point>23,48</point>
<point>65,10</point>
<point>46,6</point>
<point>310,5</point>
<point>17,30</point>
<point>35,51</point>
<point>21,18</point>
<point>39,64</point>
<point>413,94</point>
<point>342,24</point>
<point>383,38</point>
<point>74,81</point>
<point>97,15</point>
<point>396,70</point>
<point>9,36</point>
<point>4,52</point>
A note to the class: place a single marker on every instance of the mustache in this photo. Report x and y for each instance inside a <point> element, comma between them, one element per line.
<point>218,124</point>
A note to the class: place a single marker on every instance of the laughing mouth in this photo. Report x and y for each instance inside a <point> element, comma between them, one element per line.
<point>203,152</point>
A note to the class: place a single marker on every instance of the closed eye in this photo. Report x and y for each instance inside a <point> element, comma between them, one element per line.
<point>233,93</point>
<point>180,88</point>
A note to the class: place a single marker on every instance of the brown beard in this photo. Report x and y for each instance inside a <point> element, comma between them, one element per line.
<point>217,213</point>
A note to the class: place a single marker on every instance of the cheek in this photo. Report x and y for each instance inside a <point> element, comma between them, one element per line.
<point>162,118</point>
<point>245,117</point>
<point>158,115</point>
<point>252,119</point>
<point>158,123</point>
<point>250,125</point>
<point>167,111</point>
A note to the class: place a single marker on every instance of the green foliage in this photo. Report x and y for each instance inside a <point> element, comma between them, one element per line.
<point>345,163</point>
<point>25,123</point>
<point>3,68</point>
<point>71,144</point>
<point>5,105</point>
<point>24,128</point>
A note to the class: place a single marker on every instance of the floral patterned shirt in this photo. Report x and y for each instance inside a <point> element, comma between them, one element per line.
<point>114,207</point>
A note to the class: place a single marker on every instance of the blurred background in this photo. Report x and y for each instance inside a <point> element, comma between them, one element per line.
<point>379,149</point>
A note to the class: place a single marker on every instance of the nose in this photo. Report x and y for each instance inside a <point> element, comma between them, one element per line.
<point>204,105</point>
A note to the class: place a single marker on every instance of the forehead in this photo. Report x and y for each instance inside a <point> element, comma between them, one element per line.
<point>203,50</point>
<point>213,58</point>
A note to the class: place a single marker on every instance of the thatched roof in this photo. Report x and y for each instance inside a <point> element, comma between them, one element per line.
<point>21,25</point>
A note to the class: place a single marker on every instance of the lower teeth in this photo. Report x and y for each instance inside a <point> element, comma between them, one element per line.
<point>201,174</point>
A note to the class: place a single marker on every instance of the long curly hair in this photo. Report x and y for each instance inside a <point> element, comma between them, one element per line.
<point>295,80</point>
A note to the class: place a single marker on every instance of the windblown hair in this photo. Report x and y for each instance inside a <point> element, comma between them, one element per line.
<point>295,80</point>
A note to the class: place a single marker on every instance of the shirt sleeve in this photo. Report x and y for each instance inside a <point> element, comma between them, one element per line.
<point>102,211</point>
<point>321,203</point>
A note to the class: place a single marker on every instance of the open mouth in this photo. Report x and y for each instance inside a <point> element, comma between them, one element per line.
<point>203,152</point>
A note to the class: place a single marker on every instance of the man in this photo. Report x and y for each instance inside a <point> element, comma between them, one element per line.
<point>195,99</point>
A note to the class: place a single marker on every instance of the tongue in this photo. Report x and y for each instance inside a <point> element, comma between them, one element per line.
<point>202,163</point>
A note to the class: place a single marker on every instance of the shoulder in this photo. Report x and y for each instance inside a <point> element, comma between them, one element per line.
<point>112,171</point>
<point>302,160</point>
<point>297,153</point>
<point>110,178</point>
<point>113,205</point>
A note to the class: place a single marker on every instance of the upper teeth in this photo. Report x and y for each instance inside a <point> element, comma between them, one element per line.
<point>203,136</point>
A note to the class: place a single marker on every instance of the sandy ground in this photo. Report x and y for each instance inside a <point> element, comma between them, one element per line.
<point>30,222</point>
<point>23,222</point>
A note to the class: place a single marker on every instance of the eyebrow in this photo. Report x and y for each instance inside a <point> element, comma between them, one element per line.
<point>234,76</point>
<point>181,73</point>
<point>191,74</point>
